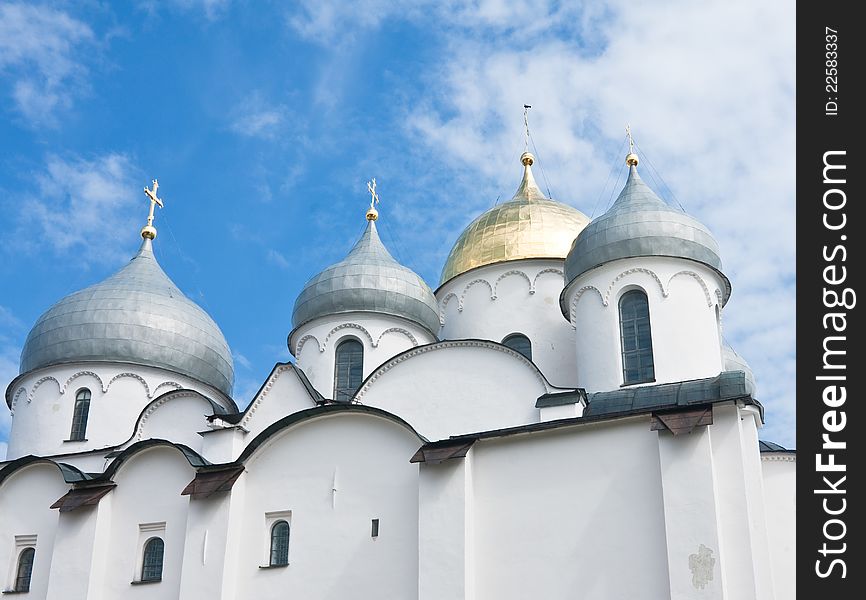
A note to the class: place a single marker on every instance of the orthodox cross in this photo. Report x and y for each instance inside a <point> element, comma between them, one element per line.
<point>374,197</point>
<point>154,200</point>
<point>526,108</point>
<point>630,140</point>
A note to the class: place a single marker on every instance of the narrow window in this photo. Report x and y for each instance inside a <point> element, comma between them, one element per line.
<point>348,370</point>
<point>279,544</point>
<point>519,343</point>
<point>151,565</point>
<point>79,416</point>
<point>25,570</point>
<point>374,531</point>
<point>637,345</point>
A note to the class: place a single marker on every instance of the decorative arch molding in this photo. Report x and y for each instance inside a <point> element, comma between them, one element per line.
<point>577,297</point>
<point>384,368</point>
<point>519,273</point>
<point>347,326</point>
<point>266,389</point>
<point>102,385</point>
<point>135,376</point>
<point>632,271</point>
<point>300,345</point>
<point>469,285</point>
<point>400,330</point>
<point>173,384</point>
<point>444,304</point>
<point>549,270</point>
<point>700,280</point>
<point>39,382</point>
<point>21,390</point>
<point>153,406</point>
<point>719,298</point>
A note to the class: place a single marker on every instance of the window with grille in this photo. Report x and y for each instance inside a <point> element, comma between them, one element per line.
<point>25,570</point>
<point>79,415</point>
<point>151,564</point>
<point>348,369</point>
<point>279,544</point>
<point>636,337</point>
<point>519,343</point>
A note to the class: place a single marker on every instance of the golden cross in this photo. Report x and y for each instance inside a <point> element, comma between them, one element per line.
<point>374,197</point>
<point>630,140</point>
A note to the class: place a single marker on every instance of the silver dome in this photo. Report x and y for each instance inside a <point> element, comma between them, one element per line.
<point>735,362</point>
<point>640,224</point>
<point>139,316</point>
<point>368,280</point>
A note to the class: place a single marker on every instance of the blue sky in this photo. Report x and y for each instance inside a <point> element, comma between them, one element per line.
<point>264,120</point>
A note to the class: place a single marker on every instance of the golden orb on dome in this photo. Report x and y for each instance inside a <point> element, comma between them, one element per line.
<point>527,226</point>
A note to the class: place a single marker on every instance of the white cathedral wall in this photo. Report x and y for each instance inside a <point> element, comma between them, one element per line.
<point>576,511</point>
<point>313,344</point>
<point>44,401</point>
<point>494,301</point>
<point>25,498</point>
<point>779,475</point>
<point>147,495</point>
<point>457,387</point>
<point>682,299</point>
<point>329,477</point>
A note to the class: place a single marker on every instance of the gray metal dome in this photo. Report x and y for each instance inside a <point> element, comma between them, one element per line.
<point>368,280</point>
<point>139,316</point>
<point>735,362</point>
<point>640,224</point>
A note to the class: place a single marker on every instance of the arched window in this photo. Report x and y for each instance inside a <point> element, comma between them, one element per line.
<point>25,570</point>
<point>519,343</point>
<point>348,369</point>
<point>637,344</point>
<point>79,416</point>
<point>151,564</point>
<point>280,544</point>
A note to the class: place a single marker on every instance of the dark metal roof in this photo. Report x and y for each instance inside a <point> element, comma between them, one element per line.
<point>561,398</point>
<point>728,385</point>
<point>772,447</point>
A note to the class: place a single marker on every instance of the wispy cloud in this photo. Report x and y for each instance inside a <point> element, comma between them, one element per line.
<point>76,201</point>
<point>210,9</point>
<point>256,117</point>
<point>278,259</point>
<point>241,360</point>
<point>11,329</point>
<point>42,59</point>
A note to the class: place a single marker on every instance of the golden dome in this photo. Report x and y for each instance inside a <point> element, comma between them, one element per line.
<point>527,226</point>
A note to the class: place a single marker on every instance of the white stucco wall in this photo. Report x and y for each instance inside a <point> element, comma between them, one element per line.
<point>331,551</point>
<point>570,513</point>
<point>682,304</point>
<point>457,387</point>
<point>779,474</point>
<point>25,498</point>
<point>497,300</point>
<point>44,401</point>
<point>383,336</point>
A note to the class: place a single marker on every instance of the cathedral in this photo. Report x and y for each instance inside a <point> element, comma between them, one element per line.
<point>559,418</point>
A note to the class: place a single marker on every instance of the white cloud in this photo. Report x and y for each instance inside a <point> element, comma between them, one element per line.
<point>707,87</point>
<point>41,59</point>
<point>255,117</point>
<point>81,206</point>
<point>278,259</point>
<point>210,9</point>
<point>11,328</point>
<point>241,360</point>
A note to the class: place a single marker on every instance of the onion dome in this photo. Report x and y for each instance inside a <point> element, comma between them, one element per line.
<point>734,362</point>
<point>368,280</point>
<point>639,224</point>
<point>138,316</point>
<point>527,226</point>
